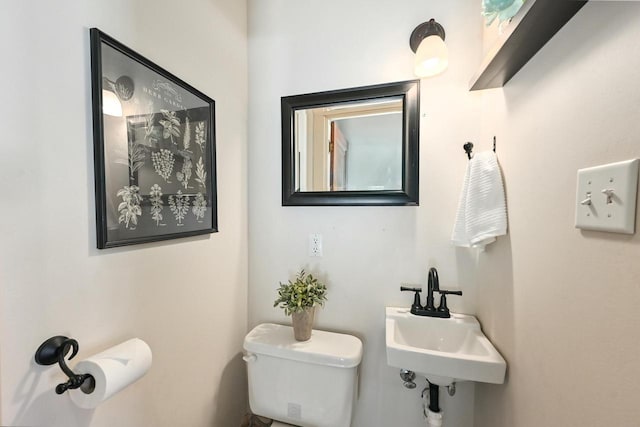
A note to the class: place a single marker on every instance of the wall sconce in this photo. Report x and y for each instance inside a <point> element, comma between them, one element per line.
<point>427,41</point>
<point>113,92</point>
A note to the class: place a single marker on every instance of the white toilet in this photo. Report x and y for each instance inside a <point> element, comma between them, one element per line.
<point>304,383</point>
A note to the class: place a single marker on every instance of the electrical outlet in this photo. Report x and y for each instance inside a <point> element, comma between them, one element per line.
<point>315,245</point>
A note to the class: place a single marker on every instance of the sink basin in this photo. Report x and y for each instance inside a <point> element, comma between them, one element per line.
<point>443,350</point>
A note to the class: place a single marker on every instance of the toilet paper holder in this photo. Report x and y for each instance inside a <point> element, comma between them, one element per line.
<point>54,350</point>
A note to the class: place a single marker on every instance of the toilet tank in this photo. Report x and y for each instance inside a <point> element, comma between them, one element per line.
<point>307,383</point>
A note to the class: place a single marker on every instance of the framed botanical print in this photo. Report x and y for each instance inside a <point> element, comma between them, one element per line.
<point>154,150</point>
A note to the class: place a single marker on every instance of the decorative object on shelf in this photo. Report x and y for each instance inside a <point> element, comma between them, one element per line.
<point>427,42</point>
<point>504,10</point>
<point>143,151</point>
<point>299,300</point>
<point>530,29</point>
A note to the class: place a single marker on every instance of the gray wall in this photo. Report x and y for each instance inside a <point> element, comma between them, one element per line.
<point>186,298</point>
<point>368,251</point>
<point>561,304</point>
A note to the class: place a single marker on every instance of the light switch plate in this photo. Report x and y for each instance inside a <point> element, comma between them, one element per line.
<point>606,197</point>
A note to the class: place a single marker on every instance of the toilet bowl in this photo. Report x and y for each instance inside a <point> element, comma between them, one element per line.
<point>302,383</point>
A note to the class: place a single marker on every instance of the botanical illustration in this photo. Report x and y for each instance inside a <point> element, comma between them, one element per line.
<point>171,125</point>
<point>185,175</point>
<point>179,205</point>
<point>200,136</point>
<point>136,156</point>
<point>201,174</point>
<point>163,163</point>
<point>152,161</point>
<point>129,208</point>
<point>155,197</point>
<point>199,207</point>
<point>186,140</point>
<point>150,132</point>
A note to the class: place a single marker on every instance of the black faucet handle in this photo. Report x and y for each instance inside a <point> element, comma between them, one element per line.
<point>415,307</point>
<point>445,292</point>
<point>443,300</point>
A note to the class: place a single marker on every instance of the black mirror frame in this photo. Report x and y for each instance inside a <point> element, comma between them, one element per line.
<point>407,196</point>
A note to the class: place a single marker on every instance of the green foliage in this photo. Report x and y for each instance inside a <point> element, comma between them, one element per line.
<point>305,291</point>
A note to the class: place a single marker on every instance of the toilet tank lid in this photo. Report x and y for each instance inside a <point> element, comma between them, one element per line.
<point>324,348</point>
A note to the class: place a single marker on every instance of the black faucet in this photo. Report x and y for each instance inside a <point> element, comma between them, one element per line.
<point>433,285</point>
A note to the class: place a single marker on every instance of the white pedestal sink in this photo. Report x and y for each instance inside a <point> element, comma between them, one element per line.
<point>443,350</point>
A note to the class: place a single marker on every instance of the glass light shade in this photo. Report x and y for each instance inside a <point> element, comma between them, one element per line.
<point>111,104</point>
<point>432,57</point>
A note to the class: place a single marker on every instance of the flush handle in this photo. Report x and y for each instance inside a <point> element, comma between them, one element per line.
<point>249,357</point>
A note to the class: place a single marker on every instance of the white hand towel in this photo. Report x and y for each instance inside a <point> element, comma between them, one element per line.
<point>482,210</point>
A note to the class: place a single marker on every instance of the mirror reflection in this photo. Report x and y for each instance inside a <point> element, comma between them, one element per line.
<point>350,147</point>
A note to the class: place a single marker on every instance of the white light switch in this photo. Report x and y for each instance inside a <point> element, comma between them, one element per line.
<point>606,197</point>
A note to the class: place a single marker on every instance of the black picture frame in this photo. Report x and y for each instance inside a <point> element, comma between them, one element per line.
<point>408,195</point>
<point>155,162</point>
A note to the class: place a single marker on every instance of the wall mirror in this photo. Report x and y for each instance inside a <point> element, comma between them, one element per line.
<point>350,147</point>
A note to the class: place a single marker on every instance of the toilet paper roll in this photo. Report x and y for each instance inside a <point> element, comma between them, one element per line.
<point>112,370</point>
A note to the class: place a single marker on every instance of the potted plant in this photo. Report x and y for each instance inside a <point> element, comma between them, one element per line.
<point>299,299</point>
